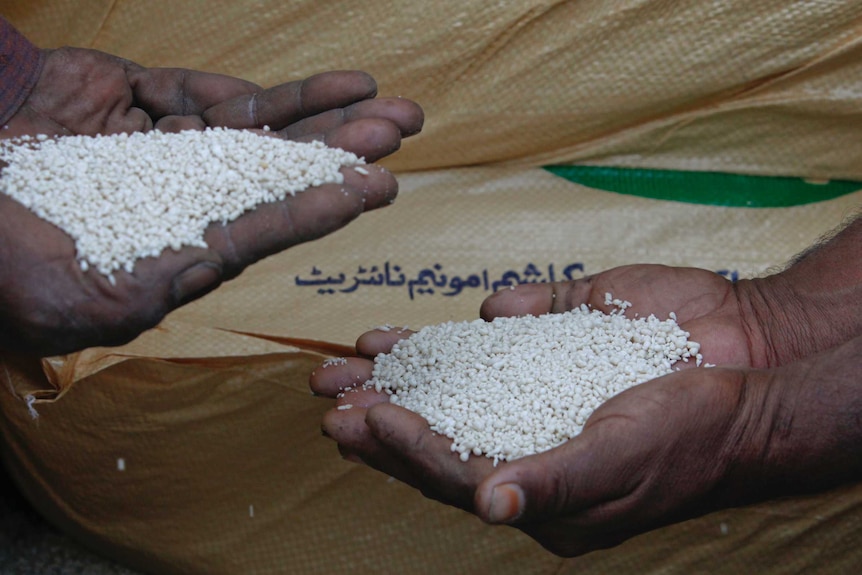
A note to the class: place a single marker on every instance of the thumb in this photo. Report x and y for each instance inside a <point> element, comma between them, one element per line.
<point>562,481</point>
<point>518,492</point>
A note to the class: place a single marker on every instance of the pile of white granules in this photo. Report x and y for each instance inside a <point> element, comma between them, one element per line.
<point>519,386</point>
<point>125,197</point>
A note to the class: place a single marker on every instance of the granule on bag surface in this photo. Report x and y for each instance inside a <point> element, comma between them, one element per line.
<point>129,196</point>
<point>517,386</point>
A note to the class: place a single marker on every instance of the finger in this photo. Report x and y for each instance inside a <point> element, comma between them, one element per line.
<point>331,379</point>
<point>356,443</point>
<point>311,214</point>
<point>180,92</point>
<point>440,473</point>
<point>536,299</point>
<point>273,227</point>
<point>380,340</point>
<point>284,104</point>
<point>377,186</point>
<point>176,124</point>
<point>348,429</point>
<point>405,114</point>
<point>128,122</point>
<point>361,397</point>
<point>371,139</point>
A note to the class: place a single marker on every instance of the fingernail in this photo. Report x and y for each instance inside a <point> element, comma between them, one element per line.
<point>195,282</point>
<point>507,503</point>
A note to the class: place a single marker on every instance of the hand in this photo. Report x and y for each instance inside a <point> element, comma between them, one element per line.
<point>664,451</point>
<point>49,306</point>
<point>703,301</point>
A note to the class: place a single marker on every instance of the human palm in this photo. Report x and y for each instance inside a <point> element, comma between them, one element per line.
<point>48,305</point>
<point>651,455</point>
<point>704,303</point>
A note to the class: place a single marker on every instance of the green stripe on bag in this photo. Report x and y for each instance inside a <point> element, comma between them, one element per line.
<point>711,188</point>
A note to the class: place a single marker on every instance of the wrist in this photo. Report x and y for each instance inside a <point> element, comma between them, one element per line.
<point>798,427</point>
<point>783,325</point>
<point>813,305</point>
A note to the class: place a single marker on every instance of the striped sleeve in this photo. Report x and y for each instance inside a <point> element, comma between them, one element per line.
<point>20,65</point>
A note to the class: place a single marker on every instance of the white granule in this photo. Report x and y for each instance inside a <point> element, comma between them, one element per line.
<point>30,400</point>
<point>331,361</point>
<point>519,386</point>
<point>125,197</point>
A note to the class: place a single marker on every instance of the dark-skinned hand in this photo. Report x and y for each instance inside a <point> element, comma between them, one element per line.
<point>49,306</point>
<point>667,450</point>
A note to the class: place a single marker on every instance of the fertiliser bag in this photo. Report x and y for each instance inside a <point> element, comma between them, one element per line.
<point>561,139</point>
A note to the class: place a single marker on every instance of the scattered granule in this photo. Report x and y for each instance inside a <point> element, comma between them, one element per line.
<point>130,196</point>
<point>331,361</point>
<point>31,400</point>
<point>519,386</point>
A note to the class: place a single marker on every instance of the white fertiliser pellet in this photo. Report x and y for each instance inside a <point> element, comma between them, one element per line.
<point>518,386</point>
<point>129,196</point>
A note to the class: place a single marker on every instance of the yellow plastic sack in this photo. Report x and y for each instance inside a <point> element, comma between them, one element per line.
<point>196,448</point>
<point>769,87</point>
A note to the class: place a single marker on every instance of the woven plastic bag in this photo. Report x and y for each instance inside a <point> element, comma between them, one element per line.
<point>196,448</point>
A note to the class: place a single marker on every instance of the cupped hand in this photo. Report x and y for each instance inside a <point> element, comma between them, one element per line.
<point>665,451</point>
<point>655,454</point>
<point>48,305</point>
